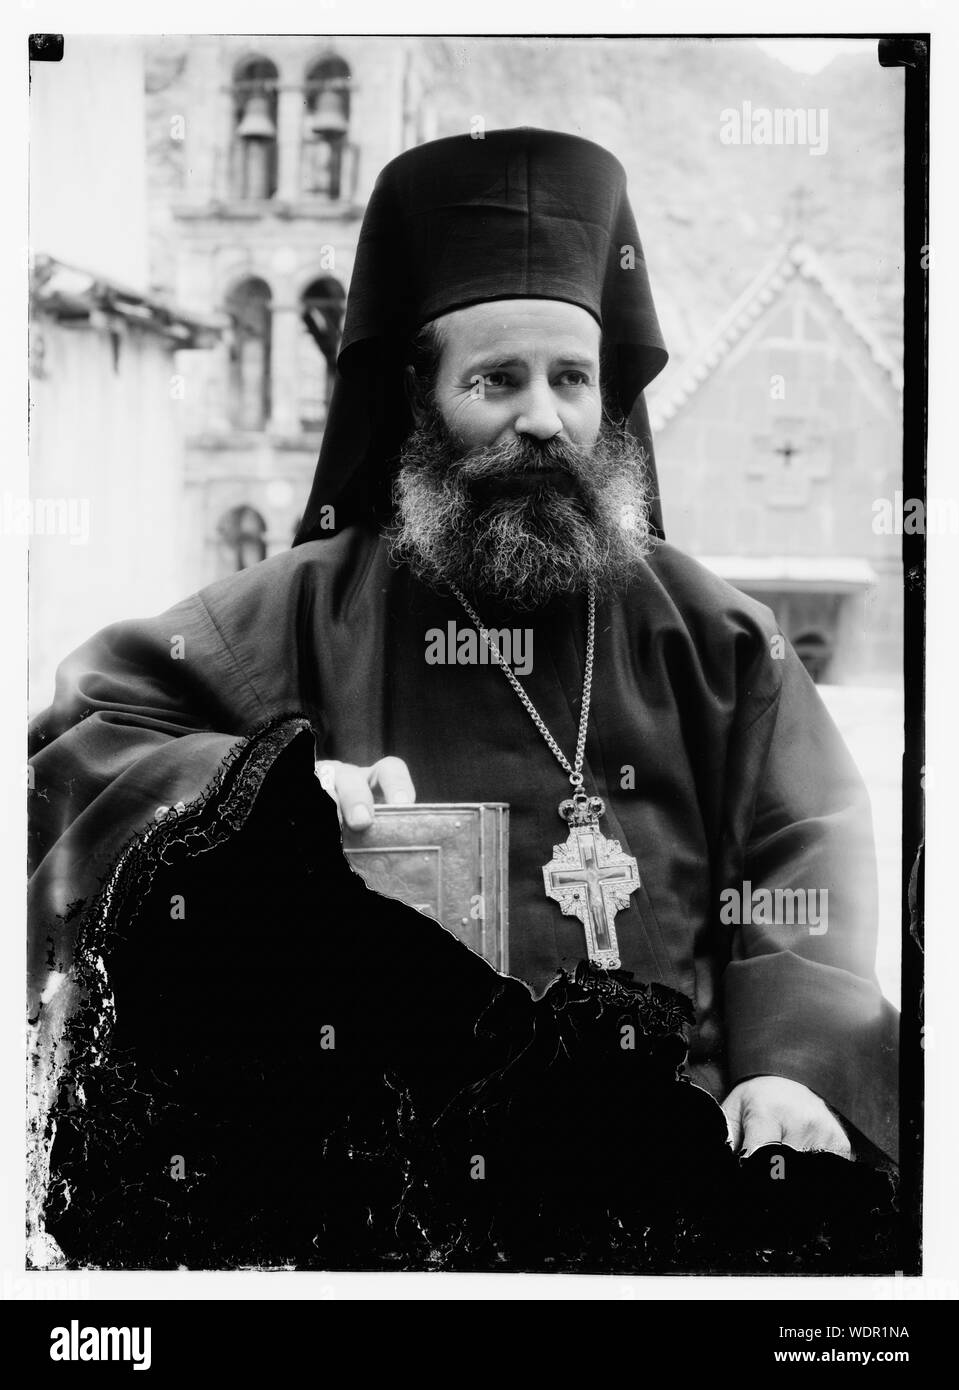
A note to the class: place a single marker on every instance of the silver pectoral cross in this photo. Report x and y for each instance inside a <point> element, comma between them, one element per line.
<point>591,877</point>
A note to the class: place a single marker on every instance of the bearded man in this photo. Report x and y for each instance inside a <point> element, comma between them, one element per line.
<point>488,461</point>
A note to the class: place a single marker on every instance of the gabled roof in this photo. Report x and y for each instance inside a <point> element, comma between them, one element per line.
<point>798,259</point>
<point>70,294</point>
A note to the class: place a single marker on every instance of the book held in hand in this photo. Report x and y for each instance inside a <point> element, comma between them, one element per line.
<point>447,860</point>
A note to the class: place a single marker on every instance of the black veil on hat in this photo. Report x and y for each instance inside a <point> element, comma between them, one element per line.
<point>518,214</point>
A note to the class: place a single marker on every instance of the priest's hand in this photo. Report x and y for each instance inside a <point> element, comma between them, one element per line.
<point>352,787</point>
<point>774,1110</point>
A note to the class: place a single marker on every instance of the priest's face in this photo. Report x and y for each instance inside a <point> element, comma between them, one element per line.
<point>515,484</point>
<point>519,368</point>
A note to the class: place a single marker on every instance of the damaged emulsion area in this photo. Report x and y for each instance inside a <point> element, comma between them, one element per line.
<point>257,1061</point>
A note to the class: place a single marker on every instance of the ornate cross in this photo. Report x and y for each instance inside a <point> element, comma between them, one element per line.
<point>591,878</point>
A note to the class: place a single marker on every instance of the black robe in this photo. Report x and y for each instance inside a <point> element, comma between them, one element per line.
<point>716,758</point>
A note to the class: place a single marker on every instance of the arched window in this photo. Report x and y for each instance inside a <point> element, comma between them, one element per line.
<point>321,307</point>
<point>242,533</point>
<point>254,129</point>
<point>248,306</point>
<point>814,650</point>
<point>327,153</point>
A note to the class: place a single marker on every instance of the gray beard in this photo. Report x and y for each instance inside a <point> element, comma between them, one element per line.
<point>522,522</point>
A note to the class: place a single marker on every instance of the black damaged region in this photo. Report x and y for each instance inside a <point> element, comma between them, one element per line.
<point>298,1073</point>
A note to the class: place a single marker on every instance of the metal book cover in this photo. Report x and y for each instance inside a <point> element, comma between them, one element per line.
<point>447,860</point>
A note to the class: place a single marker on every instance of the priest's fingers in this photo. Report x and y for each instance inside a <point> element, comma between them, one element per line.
<point>734,1124</point>
<point>822,1132</point>
<point>761,1128</point>
<point>392,777</point>
<point>349,787</point>
<point>352,787</point>
<point>355,795</point>
<point>835,1140</point>
<point>325,770</point>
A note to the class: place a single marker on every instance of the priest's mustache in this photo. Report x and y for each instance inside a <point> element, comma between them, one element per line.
<point>524,465</point>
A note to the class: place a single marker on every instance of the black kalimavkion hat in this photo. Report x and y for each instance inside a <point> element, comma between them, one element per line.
<point>518,214</point>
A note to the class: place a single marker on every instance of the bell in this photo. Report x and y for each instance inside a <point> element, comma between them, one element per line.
<point>257,124</point>
<point>328,119</point>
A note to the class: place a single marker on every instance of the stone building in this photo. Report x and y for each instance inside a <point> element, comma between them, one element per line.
<point>104,515</point>
<point>774,440</point>
<point>775,431</point>
<point>283,138</point>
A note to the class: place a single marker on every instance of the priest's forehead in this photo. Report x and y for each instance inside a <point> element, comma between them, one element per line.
<point>524,329</point>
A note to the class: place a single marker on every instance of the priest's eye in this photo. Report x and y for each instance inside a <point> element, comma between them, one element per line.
<point>574,378</point>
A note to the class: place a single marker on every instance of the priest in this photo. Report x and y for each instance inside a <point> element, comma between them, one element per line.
<point>488,463</point>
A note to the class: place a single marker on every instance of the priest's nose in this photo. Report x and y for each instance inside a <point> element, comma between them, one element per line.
<point>538,416</point>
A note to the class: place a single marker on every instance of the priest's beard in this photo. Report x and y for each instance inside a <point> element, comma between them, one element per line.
<point>523,521</point>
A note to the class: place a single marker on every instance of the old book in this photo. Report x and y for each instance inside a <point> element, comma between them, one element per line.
<point>449,861</point>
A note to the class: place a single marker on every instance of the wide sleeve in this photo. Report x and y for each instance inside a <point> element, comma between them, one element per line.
<point>144,715</point>
<point>800,991</point>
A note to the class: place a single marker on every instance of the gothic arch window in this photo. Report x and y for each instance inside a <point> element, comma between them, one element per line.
<point>814,650</point>
<point>254,129</point>
<point>249,308</point>
<point>321,307</point>
<point>242,535</point>
<point>328,156</point>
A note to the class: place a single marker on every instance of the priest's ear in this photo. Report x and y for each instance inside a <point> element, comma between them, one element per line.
<point>419,378</point>
<point>417,390</point>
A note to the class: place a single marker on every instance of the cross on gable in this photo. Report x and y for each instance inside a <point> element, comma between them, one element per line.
<point>798,204</point>
<point>591,878</point>
<point>788,462</point>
